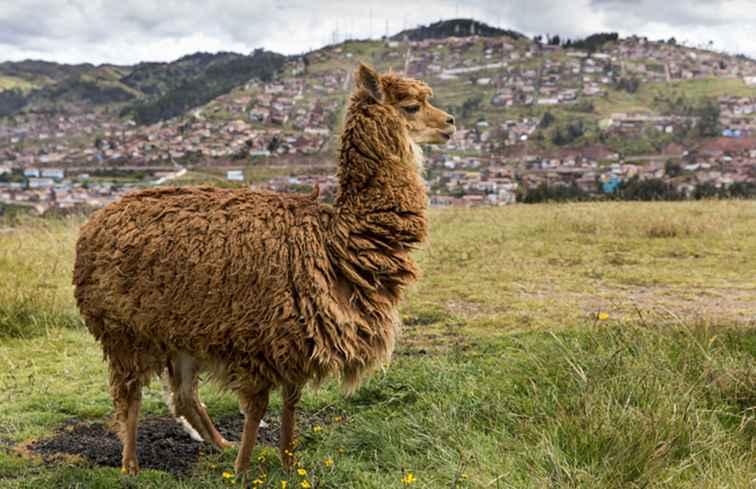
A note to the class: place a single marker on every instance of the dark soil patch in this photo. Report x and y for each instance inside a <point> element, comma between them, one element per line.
<point>162,443</point>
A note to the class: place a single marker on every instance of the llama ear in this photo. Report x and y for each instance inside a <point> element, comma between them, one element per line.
<point>370,81</point>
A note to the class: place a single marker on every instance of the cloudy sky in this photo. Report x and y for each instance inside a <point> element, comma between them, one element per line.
<point>127,31</point>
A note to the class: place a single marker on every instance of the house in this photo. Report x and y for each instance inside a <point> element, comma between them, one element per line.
<point>235,175</point>
<point>38,183</point>
<point>54,173</point>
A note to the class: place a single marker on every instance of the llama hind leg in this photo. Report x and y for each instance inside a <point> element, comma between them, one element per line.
<point>180,386</point>
<point>126,390</point>
<point>254,404</point>
<point>290,395</point>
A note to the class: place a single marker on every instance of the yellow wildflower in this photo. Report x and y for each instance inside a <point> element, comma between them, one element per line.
<point>284,484</point>
<point>305,484</point>
<point>317,428</point>
<point>338,419</point>
<point>328,462</point>
<point>228,475</point>
<point>301,472</point>
<point>408,479</point>
<point>257,482</point>
<point>602,316</point>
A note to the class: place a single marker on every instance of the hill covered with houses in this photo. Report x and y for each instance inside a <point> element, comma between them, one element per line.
<point>603,117</point>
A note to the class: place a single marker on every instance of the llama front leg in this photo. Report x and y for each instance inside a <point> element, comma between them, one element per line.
<point>129,459</point>
<point>255,406</point>
<point>290,395</point>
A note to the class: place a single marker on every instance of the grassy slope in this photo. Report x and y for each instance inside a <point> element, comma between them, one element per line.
<point>11,82</point>
<point>504,378</point>
<point>643,100</point>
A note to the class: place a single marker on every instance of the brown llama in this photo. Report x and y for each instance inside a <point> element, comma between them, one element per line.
<point>260,289</point>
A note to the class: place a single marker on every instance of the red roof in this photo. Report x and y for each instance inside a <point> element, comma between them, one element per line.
<point>727,145</point>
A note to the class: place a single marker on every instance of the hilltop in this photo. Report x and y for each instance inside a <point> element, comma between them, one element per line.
<point>454,28</point>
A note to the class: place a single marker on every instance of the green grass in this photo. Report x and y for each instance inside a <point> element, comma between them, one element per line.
<point>36,259</point>
<point>643,100</point>
<point>504,377</point>
<point>10,82</point>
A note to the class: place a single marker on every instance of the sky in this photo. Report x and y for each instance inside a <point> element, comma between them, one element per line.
<point>129,31</point>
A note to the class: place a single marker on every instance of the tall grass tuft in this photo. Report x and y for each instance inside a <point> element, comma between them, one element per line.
<point>36,260</point>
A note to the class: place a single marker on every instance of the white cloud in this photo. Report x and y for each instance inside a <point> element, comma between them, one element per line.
<point>127,31</point>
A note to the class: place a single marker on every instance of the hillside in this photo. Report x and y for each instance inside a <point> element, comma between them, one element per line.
<point>40,73</point>
<point>148,92</point>
<point>567,346</point>
<point>176,87</point>
<point>599,118</point>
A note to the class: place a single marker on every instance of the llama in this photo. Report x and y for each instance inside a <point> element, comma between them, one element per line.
<point>262,290</point>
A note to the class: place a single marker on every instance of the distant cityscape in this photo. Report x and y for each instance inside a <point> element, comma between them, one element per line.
<point>532,115</point>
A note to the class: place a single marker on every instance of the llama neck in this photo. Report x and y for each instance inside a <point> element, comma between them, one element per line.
<point>380,189</point>
<point>381,204</point>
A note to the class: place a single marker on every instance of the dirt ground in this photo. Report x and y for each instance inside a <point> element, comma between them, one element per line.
<point>162,444</point>
<point>161,441</point>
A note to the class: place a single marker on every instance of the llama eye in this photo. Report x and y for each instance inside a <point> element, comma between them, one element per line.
<point>411,109</point>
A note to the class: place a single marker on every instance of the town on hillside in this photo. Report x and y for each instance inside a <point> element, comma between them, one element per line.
<point>536,119</point>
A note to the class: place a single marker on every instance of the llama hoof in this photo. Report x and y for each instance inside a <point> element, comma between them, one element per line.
<point>241,468</point>
<point>130,467</point>
<point>224,444</point>
<point>287,462</point>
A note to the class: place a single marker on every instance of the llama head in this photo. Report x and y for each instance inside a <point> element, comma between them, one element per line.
<point>410,99</point>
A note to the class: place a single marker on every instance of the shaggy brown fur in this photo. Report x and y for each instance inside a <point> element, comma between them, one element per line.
<point>262,289</point>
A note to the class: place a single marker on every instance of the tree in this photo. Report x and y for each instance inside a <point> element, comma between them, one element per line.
<point>557,137</point>
<point>672,169</point>
<point>574,131</point>
<point>546,120</point>
<point>742,190</point>
<point>708,125</point>
<point>706,190</point>
<point>470,105</point>
<point>629,84</point>
<point>594,42</point>
<point>554,193</point>
<point>648,189</point>
<point>273,144</point>
<point>11,101</point>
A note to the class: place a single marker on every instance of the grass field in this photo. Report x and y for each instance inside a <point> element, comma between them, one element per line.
<point>602,345</point>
